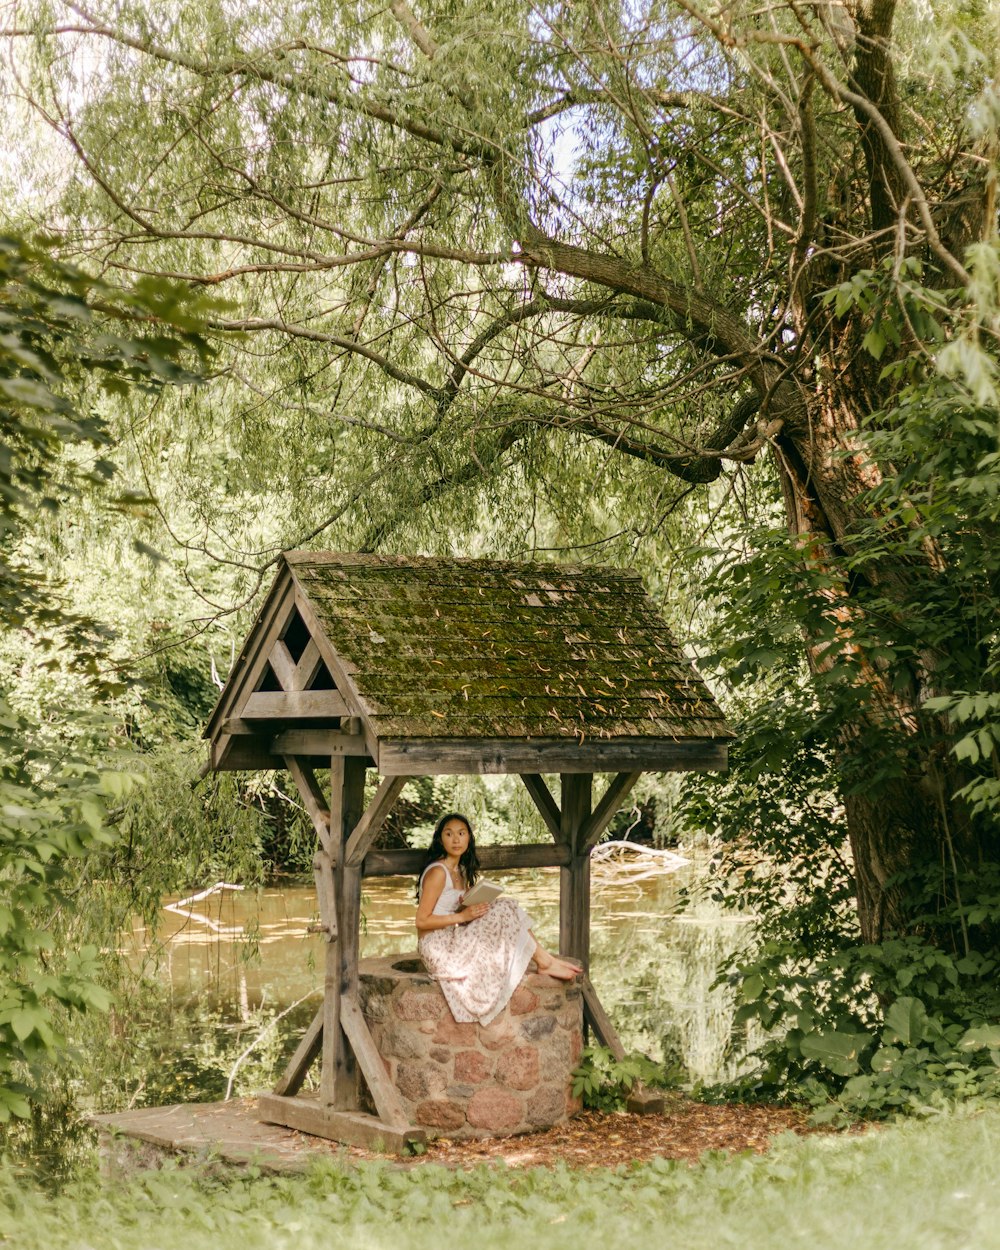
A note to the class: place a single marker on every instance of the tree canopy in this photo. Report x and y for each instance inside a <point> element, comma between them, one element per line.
<point>628,278</point>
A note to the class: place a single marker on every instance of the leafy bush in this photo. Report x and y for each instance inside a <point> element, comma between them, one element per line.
<point>55,785</point>
<point>53,812</point>
<point>604,1082</point>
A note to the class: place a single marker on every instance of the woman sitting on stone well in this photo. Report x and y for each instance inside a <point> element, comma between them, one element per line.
<point>479,953</point>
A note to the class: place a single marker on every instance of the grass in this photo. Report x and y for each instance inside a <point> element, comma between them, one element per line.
<point>920,1184</point>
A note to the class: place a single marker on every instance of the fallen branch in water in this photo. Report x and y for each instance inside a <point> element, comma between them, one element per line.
<point>632,863</point>
<point>616,849</point>
<point>260,1037</point>
<point>183,908</point>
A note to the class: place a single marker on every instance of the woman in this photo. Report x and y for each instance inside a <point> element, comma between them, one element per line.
<point>479,954</point>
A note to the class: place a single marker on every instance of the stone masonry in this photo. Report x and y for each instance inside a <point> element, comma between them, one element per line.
<point>467,1080</point>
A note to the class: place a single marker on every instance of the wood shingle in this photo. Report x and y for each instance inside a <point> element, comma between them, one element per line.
<point>426,651</point>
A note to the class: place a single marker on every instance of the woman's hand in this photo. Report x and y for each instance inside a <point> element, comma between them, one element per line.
<point>473,912</point>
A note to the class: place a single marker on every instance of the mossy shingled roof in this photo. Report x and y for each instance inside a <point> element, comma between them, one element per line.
<point>448,648</point>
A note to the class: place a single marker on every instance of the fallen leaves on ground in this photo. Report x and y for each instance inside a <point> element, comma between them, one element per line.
<point>685,1130</point>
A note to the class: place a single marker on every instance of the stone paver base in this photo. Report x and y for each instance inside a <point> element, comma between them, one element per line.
<point>467,1080</point>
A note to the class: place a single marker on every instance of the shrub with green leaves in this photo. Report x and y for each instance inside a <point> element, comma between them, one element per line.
<point>53,814</point>
<point>57,358</point>
<point>604,1082</point>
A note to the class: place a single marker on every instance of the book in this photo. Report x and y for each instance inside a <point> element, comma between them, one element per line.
<point>482,892</point>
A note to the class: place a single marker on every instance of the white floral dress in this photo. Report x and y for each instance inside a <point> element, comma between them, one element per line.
<point>480,964</point>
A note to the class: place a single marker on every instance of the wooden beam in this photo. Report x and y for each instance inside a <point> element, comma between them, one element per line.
<point>308,1048</point>
<point>611,800</point>
<point>574,879</point>
<point>345,1080</point>
<point>292,674</point>
<point>387,1101</point>
<point>334,1042</point>
<point>427,757</point>
<point>281,662</point>
<point>249,665</point>
<point>352,1128</point>
<point>542,798</point>
<point>307,667</point>
<point>370,824</point>
<point>294,705</point>
<point>313,799</point>
<point>491,858</point>
<point>319,742</point>
<point>597,1018</point>
<point>326,893</point>
<point>229,754</point>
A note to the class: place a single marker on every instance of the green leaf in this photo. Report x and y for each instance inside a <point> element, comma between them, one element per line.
<point>752,988</point>
<point>906,1022</point>
<point>838,1051</point>
<point>982,1037</point>
<point>874,343</point>
<point>24,1022</point>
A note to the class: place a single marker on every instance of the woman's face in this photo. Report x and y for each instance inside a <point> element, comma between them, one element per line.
<point>455,838</point>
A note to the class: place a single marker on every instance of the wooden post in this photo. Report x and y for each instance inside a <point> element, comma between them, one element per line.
<point>334,1042</point>
<point>345,1075</point>
<point>574,880</point>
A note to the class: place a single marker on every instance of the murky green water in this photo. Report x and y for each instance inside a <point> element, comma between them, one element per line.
<point>653,961</point>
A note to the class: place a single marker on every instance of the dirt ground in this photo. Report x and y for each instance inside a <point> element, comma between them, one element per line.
<point>685,1130</point>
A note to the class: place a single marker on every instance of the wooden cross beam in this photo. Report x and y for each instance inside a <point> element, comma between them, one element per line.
<point>278,705</point>
<point>542,798</point>
<point>592,829</point>
<point>313,799</point>
<point>292,674</point>
<point>370,824</point>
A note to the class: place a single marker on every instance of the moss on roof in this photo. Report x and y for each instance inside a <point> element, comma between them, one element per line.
<point>447,648</point>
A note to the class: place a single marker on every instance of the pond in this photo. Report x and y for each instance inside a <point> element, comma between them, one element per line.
<point>655,954</point>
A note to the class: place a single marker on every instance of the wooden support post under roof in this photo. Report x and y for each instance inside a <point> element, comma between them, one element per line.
<point>324,873</point>
<point>345,1075</point>
<point>574,880</point>
<point>334,1042</point>
<point>542,798</point>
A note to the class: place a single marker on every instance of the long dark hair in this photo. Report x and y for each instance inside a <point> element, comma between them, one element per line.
<point>469,861</point>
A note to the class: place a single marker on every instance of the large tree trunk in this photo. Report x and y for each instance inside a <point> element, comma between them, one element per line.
<point>900,811</point>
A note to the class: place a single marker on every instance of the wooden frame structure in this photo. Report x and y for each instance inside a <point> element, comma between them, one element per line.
<point>416,667</point>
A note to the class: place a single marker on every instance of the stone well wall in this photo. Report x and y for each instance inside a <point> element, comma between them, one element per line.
<point>467,1080</point>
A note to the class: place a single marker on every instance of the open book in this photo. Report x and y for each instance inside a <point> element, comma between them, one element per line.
<point>482,892</point>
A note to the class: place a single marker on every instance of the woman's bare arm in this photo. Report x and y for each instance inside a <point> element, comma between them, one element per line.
<point>429,895</point>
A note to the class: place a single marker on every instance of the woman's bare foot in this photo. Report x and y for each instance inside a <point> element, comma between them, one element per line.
<point>553,966</point>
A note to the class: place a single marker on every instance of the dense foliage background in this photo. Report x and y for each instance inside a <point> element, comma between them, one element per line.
<point>708,292</point>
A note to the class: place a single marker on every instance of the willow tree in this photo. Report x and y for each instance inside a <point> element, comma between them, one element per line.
<point>461,237</point>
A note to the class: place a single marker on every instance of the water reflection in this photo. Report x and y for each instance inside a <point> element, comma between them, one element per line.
<point>653,961</point>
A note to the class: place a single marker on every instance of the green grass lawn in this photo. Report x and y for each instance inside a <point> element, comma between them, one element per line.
<point>919,1185</point>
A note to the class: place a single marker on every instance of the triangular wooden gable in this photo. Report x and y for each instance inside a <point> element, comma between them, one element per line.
<point>282,683</point>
